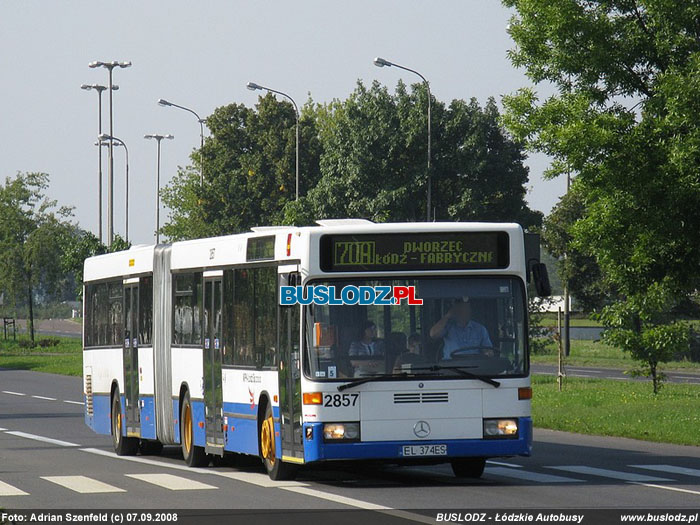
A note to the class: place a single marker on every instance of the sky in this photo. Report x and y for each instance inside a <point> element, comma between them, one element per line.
<point>201,55</point>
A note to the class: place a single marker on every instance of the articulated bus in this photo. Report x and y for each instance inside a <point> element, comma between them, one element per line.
<point>195,344</point>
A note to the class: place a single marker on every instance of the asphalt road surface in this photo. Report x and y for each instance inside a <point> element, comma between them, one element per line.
<point>49,459</point>
<point>613,373</point>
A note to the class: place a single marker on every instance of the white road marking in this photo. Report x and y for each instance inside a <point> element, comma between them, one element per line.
<point>291,486</point>
<point>261,480</point>
<point>170,482</point>
<point>671,468</point>
<point>254,478</point>
<point>45,398</point>
<point>674,489</point>
<point>344,500</point>
<point>8,490</point>
<point>82,484</point>
<point>2,429</point>
<point>605,473</point>
<point>73,402</point>
<point>352,502</point>
<point>13,393</point>
<point>513,465</point>
<point>529,476</point>
<point>42,438</point>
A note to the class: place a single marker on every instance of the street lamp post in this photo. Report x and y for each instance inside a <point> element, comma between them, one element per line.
<point>253,87</point>
<point>110,186</point>
<point>104,137</point>
<point>158,138</point>
<point>380,62</point>
<point>99,90</point>
<point>165,103</point>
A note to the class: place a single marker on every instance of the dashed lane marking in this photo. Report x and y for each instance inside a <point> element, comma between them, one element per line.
<point>42,438</point>
<point>261,480</point>
<point>529,476</point>
<point>13,393</point>
<point>73,402</point>
<point>605,473</point>
<point>170,482</point>
<point>8,490</point>
<point>512,465</point>
<point>674,489</point>
<point>671,468</point>
<point>45,398</point>
<point>82,484</point>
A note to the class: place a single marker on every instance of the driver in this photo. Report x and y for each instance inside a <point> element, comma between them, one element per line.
<point>459,331</point>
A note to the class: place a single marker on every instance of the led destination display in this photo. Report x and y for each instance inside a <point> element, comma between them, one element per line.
<point>415,251</point>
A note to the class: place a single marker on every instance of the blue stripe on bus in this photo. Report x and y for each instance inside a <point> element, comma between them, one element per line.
<point>148,418</point>
<point>100,421</point>
<point>317,450</point>
<point>200,436</point>
<point>242,433</point>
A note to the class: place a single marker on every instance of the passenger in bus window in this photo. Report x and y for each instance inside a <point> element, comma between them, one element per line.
<point>367,343</point>
<point>412,356</point>
<point>460,332</point>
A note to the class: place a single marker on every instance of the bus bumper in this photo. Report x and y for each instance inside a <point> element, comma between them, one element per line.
<point>315,449</point>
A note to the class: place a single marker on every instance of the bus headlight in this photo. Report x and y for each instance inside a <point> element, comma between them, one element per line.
<point>500,428</point>
<point>341,431</point>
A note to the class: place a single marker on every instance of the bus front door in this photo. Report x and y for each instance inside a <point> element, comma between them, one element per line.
<point>290,377</point>
<point>213,345</point>
<point>131,360</point>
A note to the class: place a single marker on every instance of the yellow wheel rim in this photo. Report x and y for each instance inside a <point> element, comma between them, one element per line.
<point>118,426</point>
<point>267,440</point>
<point>187,428</point>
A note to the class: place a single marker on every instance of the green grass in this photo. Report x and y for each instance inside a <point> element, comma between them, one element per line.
<point>594,353</point>
<point>66,358</point>
<point>550,320</point>
<point>618,408</point>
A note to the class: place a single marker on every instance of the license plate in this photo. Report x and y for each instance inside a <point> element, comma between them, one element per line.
<point>424,450</point>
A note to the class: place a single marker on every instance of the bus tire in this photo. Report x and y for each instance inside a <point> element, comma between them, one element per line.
<point>276,468</point>
<point>468,467</point>
<point>194,456</point>
<point>123,446</point>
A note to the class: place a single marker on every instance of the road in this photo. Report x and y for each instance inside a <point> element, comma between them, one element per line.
<point>614,373</point>
<point>53,327</point>
<point>49,459</point>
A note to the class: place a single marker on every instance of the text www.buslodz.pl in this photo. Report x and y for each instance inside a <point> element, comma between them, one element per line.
<point>349,295</point>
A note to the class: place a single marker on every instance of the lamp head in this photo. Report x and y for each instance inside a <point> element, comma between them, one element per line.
<point>253,86</point>
<point>380,62</point>
<point>163,102</point>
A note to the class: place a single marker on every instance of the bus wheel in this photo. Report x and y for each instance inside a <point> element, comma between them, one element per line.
<point>194,455</point>
<point>123,446</point>
<point>276,468</point>
<point>468,467</point>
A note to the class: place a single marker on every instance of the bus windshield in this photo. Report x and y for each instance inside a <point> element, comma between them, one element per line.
<point>465,324</point>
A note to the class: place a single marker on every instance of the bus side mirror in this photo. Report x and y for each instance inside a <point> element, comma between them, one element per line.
<point>541,280</point>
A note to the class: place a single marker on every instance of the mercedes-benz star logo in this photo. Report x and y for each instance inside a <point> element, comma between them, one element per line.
<point>421,429</point>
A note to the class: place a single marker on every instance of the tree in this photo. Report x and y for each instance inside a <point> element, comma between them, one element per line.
<point>373,161</point>
<point>624,120</point>
<point>32,233</point>
<point>78,246</point>
<point>249,171</point>
<point>580,269</point>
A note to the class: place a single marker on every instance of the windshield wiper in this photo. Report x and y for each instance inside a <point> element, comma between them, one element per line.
<point>461,370</point>
<point>367,379</point>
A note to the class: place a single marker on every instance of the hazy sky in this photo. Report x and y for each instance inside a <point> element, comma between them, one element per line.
<point>201,55</point>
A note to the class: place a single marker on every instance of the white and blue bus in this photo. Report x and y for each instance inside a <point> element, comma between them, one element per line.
<point>188,344</point>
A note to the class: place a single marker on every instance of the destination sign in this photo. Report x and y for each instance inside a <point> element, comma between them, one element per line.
<point>414,251</point>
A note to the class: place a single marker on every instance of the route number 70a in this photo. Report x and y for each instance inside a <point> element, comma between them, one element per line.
<point>340,400</point>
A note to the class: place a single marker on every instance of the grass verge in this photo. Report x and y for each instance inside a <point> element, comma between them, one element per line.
<point>618,408</point>
<point>595,353</point>
<point>65,358</point>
